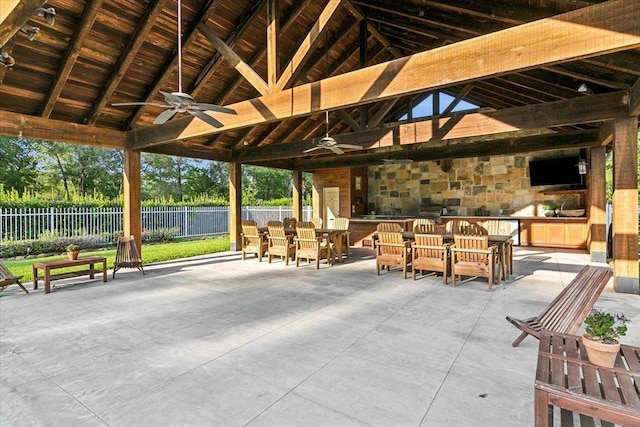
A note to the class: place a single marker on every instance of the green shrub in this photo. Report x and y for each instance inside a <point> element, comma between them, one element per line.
<point>160,235</point>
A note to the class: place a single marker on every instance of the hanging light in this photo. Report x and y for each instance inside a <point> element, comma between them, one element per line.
<point>7,60</point>
<point>31,32</point>
<point>48,13</point>
<point>582,167</point>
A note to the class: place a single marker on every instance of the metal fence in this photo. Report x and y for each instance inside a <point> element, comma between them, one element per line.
<point>27,224</point>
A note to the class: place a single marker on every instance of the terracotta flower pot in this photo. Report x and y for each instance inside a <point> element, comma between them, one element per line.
<point>599,353</point>
<point>72,255</point>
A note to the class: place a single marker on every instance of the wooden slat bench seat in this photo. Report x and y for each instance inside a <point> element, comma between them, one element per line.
<point>568,310</point>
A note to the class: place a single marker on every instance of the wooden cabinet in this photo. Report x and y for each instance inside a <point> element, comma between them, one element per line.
<point>554,232</point>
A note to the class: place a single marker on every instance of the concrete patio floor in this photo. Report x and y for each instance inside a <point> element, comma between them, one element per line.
<point>216,341</point>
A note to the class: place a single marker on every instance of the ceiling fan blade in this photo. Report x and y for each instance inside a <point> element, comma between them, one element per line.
<point>213,107</point>
<point>312,149</point>
<point>164,116</point>
<point>336,149</point>
<point>349,146</point>
<point>155,104</point>
<point>205,118</point>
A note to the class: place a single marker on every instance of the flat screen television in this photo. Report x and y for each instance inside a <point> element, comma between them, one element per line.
<point>556,171</point>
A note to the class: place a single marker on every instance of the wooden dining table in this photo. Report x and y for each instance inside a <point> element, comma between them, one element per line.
<point>500,241</point>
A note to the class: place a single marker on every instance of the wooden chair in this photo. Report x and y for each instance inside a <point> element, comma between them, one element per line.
<point>455,225</point>
<point>471,255</point>
<point>502,228</point>
<point>428,228</point>
<point>389,226</point>
<point>309,246</point>
<point>8,279</point>
<point>342,224</point>
<point>279,242</point>
<point>569,308</point>
<point>253,241</point>
<point>472,230</point>
<point>317,222</point>
<point>392,250</point>
<point>422,224</point>
<point>127,255</point>
<point>429,252</point>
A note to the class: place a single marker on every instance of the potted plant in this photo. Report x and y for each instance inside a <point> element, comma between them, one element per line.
<point>601,336</point>
<point>72,251</point>
<point>549,209</point>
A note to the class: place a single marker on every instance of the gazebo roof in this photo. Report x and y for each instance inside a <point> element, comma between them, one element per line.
<point>520,61</point>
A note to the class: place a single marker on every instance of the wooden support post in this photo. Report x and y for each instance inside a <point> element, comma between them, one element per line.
<point>596,205</point>
<point>235,206</point>
<point>363,63</point>
<point>132,197</point>
<point>273,65</point>
<point>625,206</point>
<point>297,195</point>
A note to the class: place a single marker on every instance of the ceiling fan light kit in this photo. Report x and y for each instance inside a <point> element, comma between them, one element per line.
<point>329,143</point>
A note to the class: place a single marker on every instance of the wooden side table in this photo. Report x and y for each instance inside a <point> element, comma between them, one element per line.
<point>566,379</point>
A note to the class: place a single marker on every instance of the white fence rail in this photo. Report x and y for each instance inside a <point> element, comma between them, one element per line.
<point>26,224</point>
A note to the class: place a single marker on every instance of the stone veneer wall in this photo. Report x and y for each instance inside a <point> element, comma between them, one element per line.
<point>495,183</point>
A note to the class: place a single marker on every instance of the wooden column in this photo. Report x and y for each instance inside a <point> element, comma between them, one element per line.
<point>297,195</point>
<point>625,206</point>
<point>235,206</point>
<point>596,205</point>
<point>132,197</point>
<point>273,65</point>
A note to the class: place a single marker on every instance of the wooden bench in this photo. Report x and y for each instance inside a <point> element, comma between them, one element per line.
<point>47,266</point>
<point>568,310</point>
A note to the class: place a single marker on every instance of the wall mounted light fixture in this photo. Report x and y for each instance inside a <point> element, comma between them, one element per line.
<point>31,32</point>
<point>7,60</point>
<point>582,167</point>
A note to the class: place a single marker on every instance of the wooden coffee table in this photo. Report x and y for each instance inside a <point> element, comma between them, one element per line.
<point>567,380</point>
<point>47,266</point>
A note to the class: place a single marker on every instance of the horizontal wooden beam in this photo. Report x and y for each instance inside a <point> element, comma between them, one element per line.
<point>602,28</point>
<point>507,146</point>
<point>21,125</point>
<point>192,151</point>
<point>590,109</point>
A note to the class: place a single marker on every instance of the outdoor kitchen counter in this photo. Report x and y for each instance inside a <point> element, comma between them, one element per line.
<point>362,228</point>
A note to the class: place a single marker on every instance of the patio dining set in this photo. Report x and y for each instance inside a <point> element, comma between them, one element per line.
<point>455,249</point>
<point>293,240</point>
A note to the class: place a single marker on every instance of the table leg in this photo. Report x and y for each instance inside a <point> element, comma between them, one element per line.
<point>104,270</point>
<point>91,275</point>
<point>34,273</point>
<point>337,237</point>
<point>47,280</point>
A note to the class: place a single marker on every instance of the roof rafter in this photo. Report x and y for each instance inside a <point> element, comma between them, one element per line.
<point>126,58</point>
<point>14,14</point>
<point>84,28</point>
<point>594,30</point>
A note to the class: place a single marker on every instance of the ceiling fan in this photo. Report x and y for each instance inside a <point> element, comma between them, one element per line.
<point>180,102</point>
<point>396,161</point>
<point>328,143</point>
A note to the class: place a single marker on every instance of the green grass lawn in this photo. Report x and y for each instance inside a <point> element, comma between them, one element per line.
<point>150,253</point>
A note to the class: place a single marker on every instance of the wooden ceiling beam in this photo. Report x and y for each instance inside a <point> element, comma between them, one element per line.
<point>273,65</point>
<point>359,15</point>
<point>192,151</point>
<point>91,10</point>
<point>14,14</point>
<point>189,36</point>
<point>459,97</point>
<point>471,125</point>
<point>594,30</point>
<point>379,116</point>
<point>461,149</point>
<point>242,67</point>
<point>34,127</point>
<point>345,117</point>
<point>209,70</point>
<point>587,78</point>
<point>126,58</point>
<point>293,68</point>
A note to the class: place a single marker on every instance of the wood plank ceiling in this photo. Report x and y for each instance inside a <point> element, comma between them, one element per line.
<point>101,52</point>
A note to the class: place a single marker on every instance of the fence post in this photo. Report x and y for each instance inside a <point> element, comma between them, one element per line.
<point>51,220</point>
<point>185,233</point>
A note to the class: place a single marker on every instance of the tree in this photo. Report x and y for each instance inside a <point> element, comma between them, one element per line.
<point>164,176</point>
<point>210,178</point>
<point>19,164</point>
